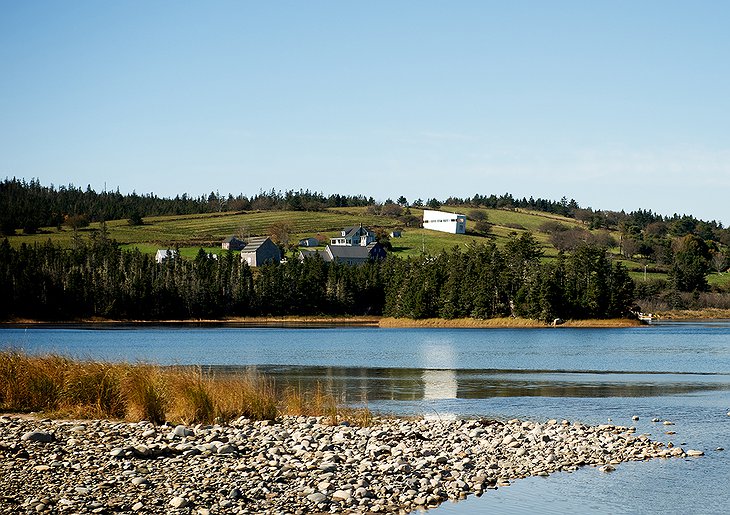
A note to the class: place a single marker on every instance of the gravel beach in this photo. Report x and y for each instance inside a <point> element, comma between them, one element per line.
<point>291,465</point>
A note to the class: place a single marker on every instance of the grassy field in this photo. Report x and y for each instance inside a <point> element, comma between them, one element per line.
<point>209,229</point>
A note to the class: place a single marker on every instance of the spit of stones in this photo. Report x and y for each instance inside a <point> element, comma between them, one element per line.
<point>292,465</point>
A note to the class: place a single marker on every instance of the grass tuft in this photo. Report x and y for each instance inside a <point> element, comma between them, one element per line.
<point>145,393</point>
<point>93,390</point>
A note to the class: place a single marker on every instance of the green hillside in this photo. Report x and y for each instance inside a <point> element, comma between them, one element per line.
<point>191,232</point>
<point>207,230</point>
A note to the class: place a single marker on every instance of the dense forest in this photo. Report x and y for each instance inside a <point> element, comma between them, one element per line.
<point>97,279</point>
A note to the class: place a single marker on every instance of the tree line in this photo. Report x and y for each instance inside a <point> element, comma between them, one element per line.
<point>98,279</point>
<point>28,205</point>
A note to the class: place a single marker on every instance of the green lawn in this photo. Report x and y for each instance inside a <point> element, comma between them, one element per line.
<point>414,241</point>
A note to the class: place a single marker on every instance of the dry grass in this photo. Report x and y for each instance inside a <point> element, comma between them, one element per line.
<point>602,322</point>
<point>145,392</point>
<point>460,322</point>
<point>62,387</point>
<point>321,403</point>
<point>505,322</point>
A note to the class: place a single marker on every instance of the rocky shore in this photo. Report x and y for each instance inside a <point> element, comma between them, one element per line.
<point>292,465</point>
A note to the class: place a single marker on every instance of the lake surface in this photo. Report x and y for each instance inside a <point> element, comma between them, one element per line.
<point>674,371</point>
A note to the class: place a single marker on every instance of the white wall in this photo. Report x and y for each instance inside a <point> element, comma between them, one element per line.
<point>453,223</point>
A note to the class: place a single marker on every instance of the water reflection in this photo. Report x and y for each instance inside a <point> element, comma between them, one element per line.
<point>440,384</point>
<point>355,384</point>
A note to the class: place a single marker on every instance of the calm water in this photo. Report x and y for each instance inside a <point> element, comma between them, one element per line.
<point>678,371</point>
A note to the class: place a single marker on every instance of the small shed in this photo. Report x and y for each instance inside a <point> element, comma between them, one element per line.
<point>309,242</point>
<point>233,243</point>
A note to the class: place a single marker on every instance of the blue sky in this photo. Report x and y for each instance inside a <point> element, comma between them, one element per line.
<point>620,104</point>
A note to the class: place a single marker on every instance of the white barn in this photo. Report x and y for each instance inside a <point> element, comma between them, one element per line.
<point>453,223</point>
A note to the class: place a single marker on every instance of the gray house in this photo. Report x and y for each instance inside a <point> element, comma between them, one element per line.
<point>350,255</point>
<point>260,250</point>
<point>233,243</point>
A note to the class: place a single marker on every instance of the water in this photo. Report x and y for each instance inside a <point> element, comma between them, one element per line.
<point>678,371</point>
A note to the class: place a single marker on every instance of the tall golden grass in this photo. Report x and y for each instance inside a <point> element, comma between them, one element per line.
<point>62,387</point>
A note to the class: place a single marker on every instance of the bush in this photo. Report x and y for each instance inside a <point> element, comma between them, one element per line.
<point>135,219</point>
<point>483,226</point>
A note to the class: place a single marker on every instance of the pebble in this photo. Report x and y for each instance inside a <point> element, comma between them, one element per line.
<point>294,464</point>
<point>178,502</point>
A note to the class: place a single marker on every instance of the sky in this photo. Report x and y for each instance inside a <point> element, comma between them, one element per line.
<point>620,105</point>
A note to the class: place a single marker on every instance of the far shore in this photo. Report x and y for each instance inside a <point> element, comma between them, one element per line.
<point>332,321</point>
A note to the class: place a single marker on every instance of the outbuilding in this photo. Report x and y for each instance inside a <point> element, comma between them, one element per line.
<point>453,223</point>
<point>260,250</point>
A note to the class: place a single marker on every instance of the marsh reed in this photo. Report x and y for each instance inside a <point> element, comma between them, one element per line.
<point>62,387</point>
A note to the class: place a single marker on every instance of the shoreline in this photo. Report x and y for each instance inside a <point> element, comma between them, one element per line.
<point>374,321</point>
<point>327,321</point>
<point>293,464</point>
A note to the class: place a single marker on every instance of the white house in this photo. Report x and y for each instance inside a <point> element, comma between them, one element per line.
<point>354,236</point>
<point>453,223</point>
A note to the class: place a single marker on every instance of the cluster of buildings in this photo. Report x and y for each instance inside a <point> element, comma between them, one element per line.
<point>353,246</point>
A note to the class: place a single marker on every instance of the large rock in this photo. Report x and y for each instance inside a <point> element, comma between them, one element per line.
<point>37,436</point>
<point>183,431</point>
<point>178,502</point>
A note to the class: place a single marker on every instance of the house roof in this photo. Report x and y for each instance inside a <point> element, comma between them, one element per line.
<point>356,231</point>
<point>254,244</point>
<point>342,253</point>
<point>316,252</point>
<point>348,252</point>
<point>231,239</point>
